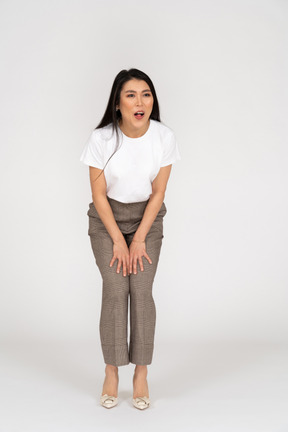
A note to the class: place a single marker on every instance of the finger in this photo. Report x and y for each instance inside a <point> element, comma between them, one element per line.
<point>147,257</point>
<point>119,265</point>
<point>124,268</point>
<point>141,264</point>
<point>112,261</point>
<point>135,265</point>
<point>130,264</point>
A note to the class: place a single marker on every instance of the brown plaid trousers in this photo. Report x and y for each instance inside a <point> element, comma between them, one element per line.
<point>117,289</point>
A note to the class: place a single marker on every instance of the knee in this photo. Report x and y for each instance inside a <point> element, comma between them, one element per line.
<point>114,298</point>
<point>116,288</point>
<point>141,291</point>
<point>142,281</point>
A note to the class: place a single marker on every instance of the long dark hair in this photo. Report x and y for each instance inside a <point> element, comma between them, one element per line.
<point>111,116</point>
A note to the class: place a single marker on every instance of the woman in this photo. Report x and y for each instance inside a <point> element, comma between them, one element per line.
<point>128,182</point>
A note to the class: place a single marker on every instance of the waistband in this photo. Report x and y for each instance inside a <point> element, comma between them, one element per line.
<point>112,200</point>
<point>127,215</point>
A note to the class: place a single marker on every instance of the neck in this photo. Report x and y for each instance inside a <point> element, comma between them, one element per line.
<point>133,132</point>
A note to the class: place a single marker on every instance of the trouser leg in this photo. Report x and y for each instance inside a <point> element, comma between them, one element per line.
<point>142,305</point>
<point>114,309</point>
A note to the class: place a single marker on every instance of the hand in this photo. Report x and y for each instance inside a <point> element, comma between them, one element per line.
<point>137,250</point>
<point>121,252</point>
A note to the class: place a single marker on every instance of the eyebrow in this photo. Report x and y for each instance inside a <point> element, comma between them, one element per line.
<point>133,91</point>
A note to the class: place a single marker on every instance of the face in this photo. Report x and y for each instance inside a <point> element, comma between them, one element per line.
<point>135,96</point>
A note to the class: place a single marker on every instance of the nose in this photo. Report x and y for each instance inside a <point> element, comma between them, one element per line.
<point>139,100</point>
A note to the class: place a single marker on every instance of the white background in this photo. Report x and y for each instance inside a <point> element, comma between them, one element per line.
<point>220,73</point>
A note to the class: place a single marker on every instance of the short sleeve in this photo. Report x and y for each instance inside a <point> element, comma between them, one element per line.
<point>171,151</point>
<point>92,154</point>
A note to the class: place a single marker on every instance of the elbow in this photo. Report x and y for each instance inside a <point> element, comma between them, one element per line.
<point>98,197</point>
<point>159,194</point>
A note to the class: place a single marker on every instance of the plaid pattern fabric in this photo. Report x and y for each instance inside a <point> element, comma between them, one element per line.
<point>117,290</point>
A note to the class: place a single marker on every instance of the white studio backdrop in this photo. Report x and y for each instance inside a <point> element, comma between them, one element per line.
<point>220,73</point>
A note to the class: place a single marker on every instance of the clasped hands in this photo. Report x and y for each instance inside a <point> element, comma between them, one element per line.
<point>128,257</point>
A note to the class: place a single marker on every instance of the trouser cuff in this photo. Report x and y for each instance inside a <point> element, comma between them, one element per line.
<point>141,354</point>
<point>116,355</point>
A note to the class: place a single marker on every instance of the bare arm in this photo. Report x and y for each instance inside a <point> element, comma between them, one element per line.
<point>101,203</point>
<point>154,204</point>
<point>137,247</point>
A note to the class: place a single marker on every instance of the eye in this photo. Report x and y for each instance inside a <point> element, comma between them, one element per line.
<point>147,94</point>
<point>131,94</point>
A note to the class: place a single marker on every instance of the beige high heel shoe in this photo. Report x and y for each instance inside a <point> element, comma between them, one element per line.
<point>108,401</point>
<point>141,402</point>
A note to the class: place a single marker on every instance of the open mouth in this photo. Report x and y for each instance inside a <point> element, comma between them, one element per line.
<point>139,114</point>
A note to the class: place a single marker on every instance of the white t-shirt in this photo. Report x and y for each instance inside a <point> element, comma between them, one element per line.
<point>133,167</point>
